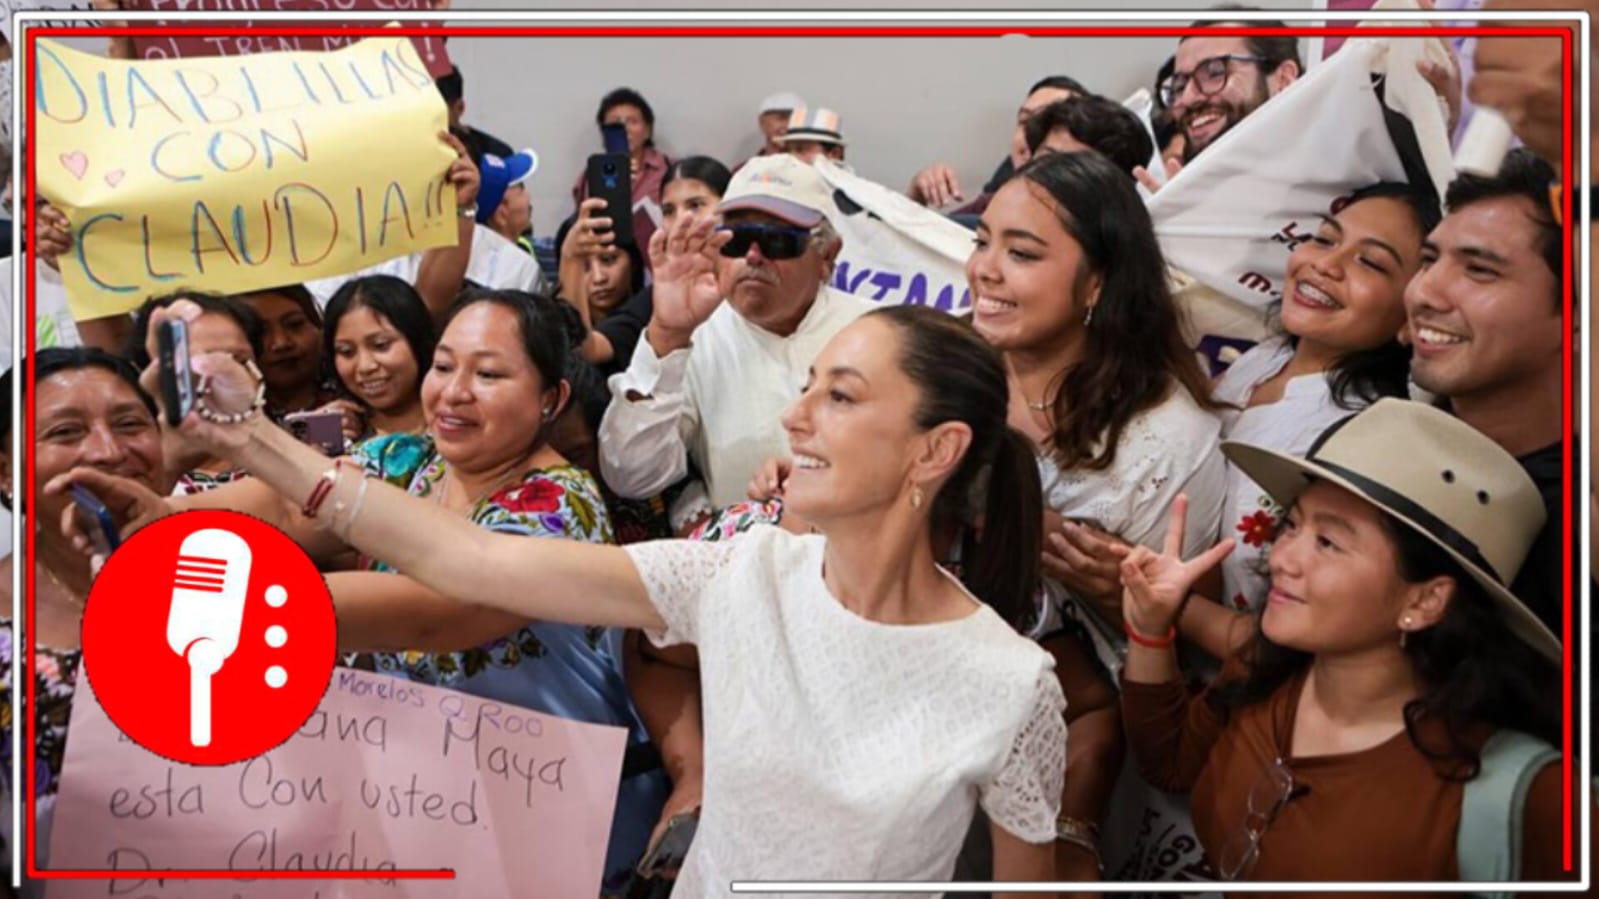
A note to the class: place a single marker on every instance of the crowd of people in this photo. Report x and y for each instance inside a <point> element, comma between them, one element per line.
<point>1047,599</point>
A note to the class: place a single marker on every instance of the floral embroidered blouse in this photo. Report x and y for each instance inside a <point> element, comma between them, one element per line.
<point>55,675</point>
<point>1289,425</point>
<point>570,671</point>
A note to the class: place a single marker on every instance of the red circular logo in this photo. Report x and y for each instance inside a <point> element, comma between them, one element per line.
<point>209,637</point>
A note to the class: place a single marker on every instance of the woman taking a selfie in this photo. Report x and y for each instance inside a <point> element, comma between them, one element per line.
<point>484,462</point>
<point>927,701</point>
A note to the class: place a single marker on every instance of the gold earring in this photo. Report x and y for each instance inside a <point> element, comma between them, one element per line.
<point>916,497</point>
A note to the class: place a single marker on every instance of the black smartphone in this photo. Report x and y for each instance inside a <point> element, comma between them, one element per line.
<point>615,135</point>
<point>667,855</point>
<point>94,519</point>
<point>323,430</point>
<point>608,178</point>
<point>177,380</point>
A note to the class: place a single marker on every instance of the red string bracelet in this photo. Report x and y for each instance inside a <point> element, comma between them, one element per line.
<point>1151,642</point>
<point>324,486</point>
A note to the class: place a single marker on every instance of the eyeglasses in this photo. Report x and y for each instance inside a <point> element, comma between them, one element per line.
<point>1209,77</point>
<point>775,242</point>
<point>1271,792</point>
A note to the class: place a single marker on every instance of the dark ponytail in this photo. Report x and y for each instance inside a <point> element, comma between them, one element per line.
<point>961,378</point>
<point>1000,560</point>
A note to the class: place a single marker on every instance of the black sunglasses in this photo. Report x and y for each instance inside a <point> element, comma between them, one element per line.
<point>776,242</point>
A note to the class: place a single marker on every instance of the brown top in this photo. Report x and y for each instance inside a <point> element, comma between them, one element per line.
<point>1385,813</point>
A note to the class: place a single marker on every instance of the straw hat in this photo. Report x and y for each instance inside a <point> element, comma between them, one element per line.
<point>1436,475</point>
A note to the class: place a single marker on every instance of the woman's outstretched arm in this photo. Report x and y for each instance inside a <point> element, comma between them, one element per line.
<point>552,580</point>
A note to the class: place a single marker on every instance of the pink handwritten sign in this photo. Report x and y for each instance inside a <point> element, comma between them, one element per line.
<point>386,774</point>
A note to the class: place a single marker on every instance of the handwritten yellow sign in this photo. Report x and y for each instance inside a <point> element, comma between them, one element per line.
<point>238,173</point>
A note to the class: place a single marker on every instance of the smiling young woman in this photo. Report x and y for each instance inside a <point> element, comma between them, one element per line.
<point>1338,352</point>
<point>1390,665</point>
<point>378,341</point>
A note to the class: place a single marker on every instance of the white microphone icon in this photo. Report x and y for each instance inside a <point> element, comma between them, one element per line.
<point>208,593</point>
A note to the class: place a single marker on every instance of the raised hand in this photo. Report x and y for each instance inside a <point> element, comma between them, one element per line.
<point>54,233</point>
<point>936,186</point>
<point>686,290</point>
<point>592,231</point>
<point>1173,166</point>
<point>228,387</point>
<point>1158,584</point>
<point>131,504</point>
<point>463,173</point>
<point>1443,78</point>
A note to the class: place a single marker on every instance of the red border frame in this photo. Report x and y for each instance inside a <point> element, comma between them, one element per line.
<point>408,30</point>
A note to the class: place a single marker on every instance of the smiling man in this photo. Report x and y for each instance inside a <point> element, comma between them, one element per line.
<point>1486,316</point>
<point>740,312</point>
<point>1219,79</point>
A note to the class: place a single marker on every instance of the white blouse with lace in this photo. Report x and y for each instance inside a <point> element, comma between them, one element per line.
<point>1172,448</point>
<point>838,748</point>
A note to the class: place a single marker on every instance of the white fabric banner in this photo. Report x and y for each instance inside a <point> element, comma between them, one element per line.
<point>896,251</point>
<point>1230,218</point>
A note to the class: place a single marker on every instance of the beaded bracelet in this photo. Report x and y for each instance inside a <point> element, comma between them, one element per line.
<point>231,418</point>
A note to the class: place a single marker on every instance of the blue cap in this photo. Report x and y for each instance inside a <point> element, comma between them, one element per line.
<point>497,177</point>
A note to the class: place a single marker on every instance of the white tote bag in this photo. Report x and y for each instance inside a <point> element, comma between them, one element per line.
<point>895,251</point>
<point>1230,218</point>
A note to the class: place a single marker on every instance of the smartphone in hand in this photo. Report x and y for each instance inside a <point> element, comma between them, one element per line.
<point>323,430</point>
<point>608,177</point>
<point>95,520</point>
<point>615,135</point>
<point>177,379</point>
<point>666,857</point>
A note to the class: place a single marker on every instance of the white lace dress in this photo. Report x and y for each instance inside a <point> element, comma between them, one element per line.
<point>837,748</point>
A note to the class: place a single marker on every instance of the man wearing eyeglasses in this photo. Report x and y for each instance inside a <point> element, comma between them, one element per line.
<point>741,309</point>
<point>1219,79</point>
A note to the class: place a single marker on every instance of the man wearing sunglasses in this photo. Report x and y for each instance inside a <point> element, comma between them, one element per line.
<point>742,306</point>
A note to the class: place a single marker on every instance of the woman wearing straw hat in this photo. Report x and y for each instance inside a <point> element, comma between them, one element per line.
<point>1391,667</point>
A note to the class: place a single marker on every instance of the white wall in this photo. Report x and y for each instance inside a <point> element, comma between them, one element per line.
<point>905,102</point>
